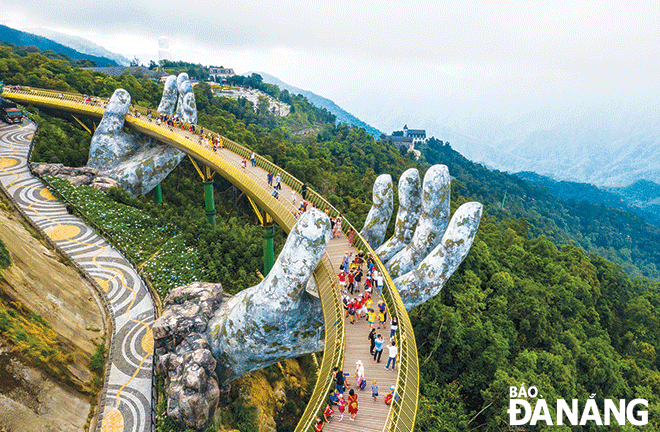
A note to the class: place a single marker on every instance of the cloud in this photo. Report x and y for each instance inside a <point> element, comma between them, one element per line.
<point>482,58</point>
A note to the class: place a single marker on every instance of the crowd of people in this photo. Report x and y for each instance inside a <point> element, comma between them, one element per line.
<point>359,276</point>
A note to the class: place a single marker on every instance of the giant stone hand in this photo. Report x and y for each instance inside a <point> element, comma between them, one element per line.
<point>204,340</point>
<point>425,249</point>
<point>139,163</point>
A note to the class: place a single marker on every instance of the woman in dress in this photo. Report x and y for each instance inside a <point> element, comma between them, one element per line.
<point>352,404</point>
<point>359,373</point>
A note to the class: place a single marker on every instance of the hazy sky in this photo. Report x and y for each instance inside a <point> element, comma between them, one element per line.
<point>445,65</point>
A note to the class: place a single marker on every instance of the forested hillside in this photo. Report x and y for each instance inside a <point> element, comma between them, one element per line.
<point>528,305</point>
<point>615,234</point>
<point>520,311</point>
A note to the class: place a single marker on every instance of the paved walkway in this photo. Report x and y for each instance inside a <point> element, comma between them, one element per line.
<point>126,403</point>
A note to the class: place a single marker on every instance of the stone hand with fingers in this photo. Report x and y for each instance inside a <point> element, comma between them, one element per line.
<point>139,163</point>
<point>205,340</point>
<point>426,247</point>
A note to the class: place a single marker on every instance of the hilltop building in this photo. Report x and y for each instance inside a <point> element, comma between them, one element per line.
<point>407,138</point>
<point>417,135</point>
<point>138,71</point>
<point>220,72</point>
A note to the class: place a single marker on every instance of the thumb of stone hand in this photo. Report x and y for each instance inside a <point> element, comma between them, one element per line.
<point>110,143</point>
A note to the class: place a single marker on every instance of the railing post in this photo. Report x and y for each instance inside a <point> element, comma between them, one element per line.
<point>208,201</point>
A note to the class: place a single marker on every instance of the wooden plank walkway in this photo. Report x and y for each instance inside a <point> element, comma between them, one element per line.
<point>371,415</point>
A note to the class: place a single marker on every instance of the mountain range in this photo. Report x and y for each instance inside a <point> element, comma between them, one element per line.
<point>80,44</point>
<point>615,147</point>
<point>641,197</point>
<point>17,37</point>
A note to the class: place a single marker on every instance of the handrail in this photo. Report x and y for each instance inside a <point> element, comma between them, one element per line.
<point>402,414</point>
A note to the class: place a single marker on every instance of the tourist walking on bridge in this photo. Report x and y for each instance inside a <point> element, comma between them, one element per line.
<point>392,359</point>
<point>378,350</point>
<point>352,404</point>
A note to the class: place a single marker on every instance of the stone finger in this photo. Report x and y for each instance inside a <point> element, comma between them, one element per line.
<point>428,278</point>
<point>170,93</point>
<point>276,319</point>
<point>436,193</point>
<point>186,108</point>
<point>110,143</point>
<point>380,214</point>
<point>410,207</point>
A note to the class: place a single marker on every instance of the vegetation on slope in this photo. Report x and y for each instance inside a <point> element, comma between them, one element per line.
<point>521,310</point>
<point>5,257</point>
<point>34,339</point>
<point>640,197</point>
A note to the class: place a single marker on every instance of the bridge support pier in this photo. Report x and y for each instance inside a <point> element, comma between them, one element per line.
<point>207,175</point>
<point>159,194</point>
<point>267,232</point>
<point>209,202</point>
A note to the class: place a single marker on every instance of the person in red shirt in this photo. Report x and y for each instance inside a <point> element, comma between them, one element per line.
<point>342,280</point>
<point>327,412</point>
<point>318,427</point>
<point>362,310</point>
<point>351,278</point>
<point>356,306</point>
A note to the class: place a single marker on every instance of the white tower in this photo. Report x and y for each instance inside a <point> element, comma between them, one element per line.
<point>164,49</point>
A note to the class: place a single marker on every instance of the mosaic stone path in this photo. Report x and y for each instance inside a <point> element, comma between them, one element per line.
<point>127,399</point>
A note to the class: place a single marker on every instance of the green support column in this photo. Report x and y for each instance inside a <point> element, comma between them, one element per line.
<point>159,194</point>
<point>210,204</point>
<point>267,235</point>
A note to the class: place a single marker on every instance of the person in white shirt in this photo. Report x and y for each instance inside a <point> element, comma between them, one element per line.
<point>393,350</point>
<point>379,284</point>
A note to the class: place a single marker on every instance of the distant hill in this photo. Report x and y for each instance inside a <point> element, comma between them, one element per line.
<point>80,44</point>
<point>641,197</point>
<point>342,115</point>
<point>21,38</point>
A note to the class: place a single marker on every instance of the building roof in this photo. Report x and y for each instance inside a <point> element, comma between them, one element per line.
<point>118,70</point>
<point>417,131</point>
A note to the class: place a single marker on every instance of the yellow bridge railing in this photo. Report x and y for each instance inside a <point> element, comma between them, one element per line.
<point>403,412</point>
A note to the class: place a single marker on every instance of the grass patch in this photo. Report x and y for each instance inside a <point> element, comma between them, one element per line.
<point>5,257</point>
<point>33,339</point>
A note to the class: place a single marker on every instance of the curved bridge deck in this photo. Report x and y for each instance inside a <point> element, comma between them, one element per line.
<point>400,416</point>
